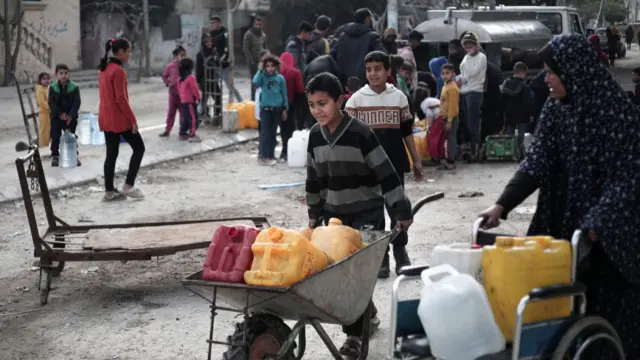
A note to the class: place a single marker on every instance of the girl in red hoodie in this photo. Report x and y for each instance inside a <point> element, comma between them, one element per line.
<point>295,89</point>
<point>117,120</point>
<point>189,97</point>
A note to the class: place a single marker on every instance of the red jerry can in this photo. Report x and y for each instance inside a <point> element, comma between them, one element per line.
<point>229,254</point>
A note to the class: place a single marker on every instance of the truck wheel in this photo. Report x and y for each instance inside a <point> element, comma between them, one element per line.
<point>265,334</point>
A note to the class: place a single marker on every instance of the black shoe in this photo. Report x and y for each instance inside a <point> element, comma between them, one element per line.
<point>401,257</point>
<point>164,134</point>
<point>55,161</point>
<point>78,163</point>
<point>384,271</point>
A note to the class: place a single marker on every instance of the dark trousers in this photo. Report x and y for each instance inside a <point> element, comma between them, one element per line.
<point>613,53</point>
<point>402,238</point>
<point>286,129</point>
<point>371,220</point>
<point>253,69</point>
<point>112,141</point>
<point>189,120</point>
<point>270,118</point>
<point>525,127</point>
<point>57,127</point>
<point>471,103</point>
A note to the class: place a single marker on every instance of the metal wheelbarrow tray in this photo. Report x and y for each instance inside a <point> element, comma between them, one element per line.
<point>62,242</point>
<point>339,294</point>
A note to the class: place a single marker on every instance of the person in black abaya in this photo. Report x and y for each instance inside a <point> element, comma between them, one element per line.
<point>585,164</point>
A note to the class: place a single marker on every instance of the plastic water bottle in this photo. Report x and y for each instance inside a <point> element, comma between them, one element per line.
<point>84,130</point>
<point>97,136</point>
<point>528,139</point>
<point>68,150</point>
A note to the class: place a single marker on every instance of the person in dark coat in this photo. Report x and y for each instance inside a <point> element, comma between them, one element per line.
<point>296,45</point>
<point>389,40</point>
<point>357,40</point>
<point>628,35</point>
<point>517,103</point>
<point>456,54</point>
<point>206,63</point>
<point>540,92</point>
<point>420,51</point>
<point>491,111</point>
<point>588,178</point>
<point>221,44</point>
<point>613,38</point>
<point>318,44</point>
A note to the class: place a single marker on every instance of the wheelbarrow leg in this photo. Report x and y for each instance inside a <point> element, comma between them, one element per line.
<point>302,342</point>
<point>298,331</point>
<point>213,317</point>
<point>366,332</point>
<point>326,339</point>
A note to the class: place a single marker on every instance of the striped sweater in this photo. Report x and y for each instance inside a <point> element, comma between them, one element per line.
<point>349,173</point>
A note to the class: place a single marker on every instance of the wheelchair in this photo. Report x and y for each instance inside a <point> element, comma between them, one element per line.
<point>555,339</point>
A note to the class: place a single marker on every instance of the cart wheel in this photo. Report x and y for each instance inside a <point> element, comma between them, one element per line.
<point>584,330</point>
<point>265,334</point>
<point>45,285</point>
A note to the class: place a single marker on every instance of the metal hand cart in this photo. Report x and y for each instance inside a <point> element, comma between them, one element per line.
<point>337,295</point>
<point>62,242</point>
<point>556,339</point>
<point>30,118</point>
<point>212,88</point>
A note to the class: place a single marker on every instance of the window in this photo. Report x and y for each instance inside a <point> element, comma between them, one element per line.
<point>553,21</point>
<point>576,26</point>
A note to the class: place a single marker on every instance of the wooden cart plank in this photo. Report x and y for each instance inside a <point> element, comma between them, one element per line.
<point>148,238</point>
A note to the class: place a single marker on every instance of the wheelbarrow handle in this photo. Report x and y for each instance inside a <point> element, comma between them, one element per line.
<point>425,200</point>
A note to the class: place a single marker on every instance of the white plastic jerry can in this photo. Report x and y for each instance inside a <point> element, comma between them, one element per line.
<point>230,120</point>
<point>456,315</point>
<point>297,150</point>
<point>464,257</point>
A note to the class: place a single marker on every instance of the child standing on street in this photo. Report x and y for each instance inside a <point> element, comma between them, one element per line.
<point>117,120</point>
<point>448,118</point>
<point>295,89</point>
<point>517,103</point>
<point>170,76</point>
<point>64,104</point>
<point>189,98</point>
<point>273,107</point>
<point>386,109</point>
<point>42,99</point>
<point>349,177</point>
<point>403,77</point>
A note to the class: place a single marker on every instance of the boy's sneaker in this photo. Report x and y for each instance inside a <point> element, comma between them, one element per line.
<point>269,162</point>
<point>384,271</point>
<point>113,196</point>
<point>401,257</point>
<point>55,161</point>
<point>164,134</point>
<point>133,193</point>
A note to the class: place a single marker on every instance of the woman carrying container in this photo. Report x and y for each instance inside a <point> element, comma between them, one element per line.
<point>585,162</point>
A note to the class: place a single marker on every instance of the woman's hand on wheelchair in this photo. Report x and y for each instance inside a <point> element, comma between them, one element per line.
<point>491,216</point>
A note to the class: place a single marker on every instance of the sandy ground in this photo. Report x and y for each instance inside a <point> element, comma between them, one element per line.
<point>139,310</point>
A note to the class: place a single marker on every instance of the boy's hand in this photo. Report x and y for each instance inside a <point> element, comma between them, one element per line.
<point>134,129</point>
<point>284,115</point>
<point>404,225</point>
<point>312,223</point>
<point>418,175</point>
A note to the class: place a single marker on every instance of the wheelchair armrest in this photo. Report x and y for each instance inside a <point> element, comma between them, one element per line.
<point>557,291</point>
<point>412,270</point>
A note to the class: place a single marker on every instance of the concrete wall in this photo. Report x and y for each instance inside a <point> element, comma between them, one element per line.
<point>96,30</point>
<point>59,22</point>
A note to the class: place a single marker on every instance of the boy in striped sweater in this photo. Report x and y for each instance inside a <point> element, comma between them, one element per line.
<point>349,176</point>
<point>385,109</point>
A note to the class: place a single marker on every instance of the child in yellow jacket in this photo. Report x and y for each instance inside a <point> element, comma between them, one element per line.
<point>42,99</point>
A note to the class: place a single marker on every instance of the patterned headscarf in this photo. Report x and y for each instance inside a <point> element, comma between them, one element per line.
<point>586,157</point>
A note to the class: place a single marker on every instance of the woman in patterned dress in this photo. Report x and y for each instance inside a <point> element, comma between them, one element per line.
<point>585,162</point>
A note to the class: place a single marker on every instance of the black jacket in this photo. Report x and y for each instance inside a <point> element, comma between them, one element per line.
<point>516,101</point>
<point>540,92</point>
<point>221,44</point>
<point>211,57</point>
<point>64,99</point>
<point>316,46</point>
<point>355,43</point>
<point>296,47</point>
<point>324,63</point>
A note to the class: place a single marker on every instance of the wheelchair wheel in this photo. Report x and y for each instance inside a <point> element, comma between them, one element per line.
<point>587,334</point>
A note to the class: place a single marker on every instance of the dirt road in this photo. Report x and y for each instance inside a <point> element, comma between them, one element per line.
<point>139,310</point>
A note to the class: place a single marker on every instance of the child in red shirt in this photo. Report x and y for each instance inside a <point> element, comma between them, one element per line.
<point>189,97</point>
<point>170,77</point>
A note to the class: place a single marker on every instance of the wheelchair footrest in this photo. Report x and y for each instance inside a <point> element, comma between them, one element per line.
<point>419,346</point>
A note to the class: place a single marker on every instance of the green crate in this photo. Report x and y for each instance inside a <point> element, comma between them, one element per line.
<point>501,147</point>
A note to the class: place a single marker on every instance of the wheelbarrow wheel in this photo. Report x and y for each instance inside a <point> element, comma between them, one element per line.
<point>265,334</point>
<point>590,333</point>
<point>45,285</point>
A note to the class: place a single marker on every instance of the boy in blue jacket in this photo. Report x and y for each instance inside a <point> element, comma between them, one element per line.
<point>64,103</point>
<point>273,107</point>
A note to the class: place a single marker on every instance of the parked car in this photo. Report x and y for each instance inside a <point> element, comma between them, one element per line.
<point>622,48</point>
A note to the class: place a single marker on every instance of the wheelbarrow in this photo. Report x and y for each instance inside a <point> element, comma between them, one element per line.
<point>339,294</point>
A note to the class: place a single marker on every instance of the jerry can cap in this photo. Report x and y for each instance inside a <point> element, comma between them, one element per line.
<point>335,221</point>
<point>274,233</point>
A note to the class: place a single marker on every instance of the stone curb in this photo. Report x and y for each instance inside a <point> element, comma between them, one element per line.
<point>227,143</point>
